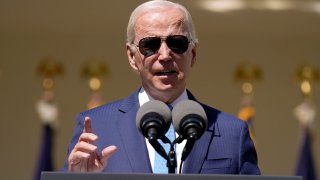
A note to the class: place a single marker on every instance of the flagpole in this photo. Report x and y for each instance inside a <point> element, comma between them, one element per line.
<point>94,71</point>
<point>305,113</point>
<point>48,112</point>
<point>247,74</point>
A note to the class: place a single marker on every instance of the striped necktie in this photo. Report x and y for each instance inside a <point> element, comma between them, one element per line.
<point>160,164</point>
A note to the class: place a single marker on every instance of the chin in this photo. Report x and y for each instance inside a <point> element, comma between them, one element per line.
<point>165,87</point>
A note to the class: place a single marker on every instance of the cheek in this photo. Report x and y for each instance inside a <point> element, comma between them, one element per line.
<point>185,68</point>
<point>186,64</point>
<point>145,69</point>
<point>148,64</point>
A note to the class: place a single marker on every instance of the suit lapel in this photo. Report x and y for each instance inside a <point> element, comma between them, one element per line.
<point>194,161</point>
<point>134,143</point>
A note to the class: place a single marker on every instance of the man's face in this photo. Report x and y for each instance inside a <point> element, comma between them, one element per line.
<point>164,73</point>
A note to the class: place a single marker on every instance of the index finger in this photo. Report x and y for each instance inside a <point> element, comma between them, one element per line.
<point>87,125</point>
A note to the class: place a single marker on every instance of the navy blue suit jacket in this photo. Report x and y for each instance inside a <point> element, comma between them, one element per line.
<point>225,148</point>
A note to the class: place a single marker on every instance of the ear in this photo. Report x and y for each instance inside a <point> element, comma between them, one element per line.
<point>194,55</point>
<point>132,60</point>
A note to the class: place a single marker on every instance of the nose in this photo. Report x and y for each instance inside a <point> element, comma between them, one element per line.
<point>164,52</point>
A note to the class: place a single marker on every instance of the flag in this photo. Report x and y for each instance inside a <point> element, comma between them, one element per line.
<point>45,159</point>
<point>306,114</point>
<point>247,113</point>
<point>95,100</point>
<point>48,113</point>
<point>305,166</point>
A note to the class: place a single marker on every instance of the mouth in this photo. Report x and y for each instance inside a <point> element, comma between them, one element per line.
<point>165,73</point>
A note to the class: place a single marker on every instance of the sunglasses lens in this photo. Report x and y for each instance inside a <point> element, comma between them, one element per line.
<point>178,43</point>
<point>149,46</point>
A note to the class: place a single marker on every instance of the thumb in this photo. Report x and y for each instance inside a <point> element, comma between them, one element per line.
<point>107,153</point>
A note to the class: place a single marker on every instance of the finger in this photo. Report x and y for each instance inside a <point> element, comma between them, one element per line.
<point>87,125</point>
<point>107,153</point>
<point>85,147</point>
<point>88,137</point>
<point>77,161</point>
<point>78,156</point>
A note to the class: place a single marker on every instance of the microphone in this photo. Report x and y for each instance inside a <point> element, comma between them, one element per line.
<point>189,119</point>
<point>190,122</point>
<point>153,119</point>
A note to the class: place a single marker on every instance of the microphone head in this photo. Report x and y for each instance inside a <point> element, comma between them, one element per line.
<point>153,114</point>
<point>189,114</point>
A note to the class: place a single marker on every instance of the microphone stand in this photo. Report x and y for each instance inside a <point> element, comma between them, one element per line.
<point>172,160</point>
<point>187,148</point>
<point>170,157</point>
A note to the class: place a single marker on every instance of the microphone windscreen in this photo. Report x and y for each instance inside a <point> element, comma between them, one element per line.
<point>187,108</point>
<point>154,106</point>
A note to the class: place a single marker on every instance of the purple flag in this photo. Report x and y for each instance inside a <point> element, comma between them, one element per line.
<point>305,166</point>
<point>45,160</point>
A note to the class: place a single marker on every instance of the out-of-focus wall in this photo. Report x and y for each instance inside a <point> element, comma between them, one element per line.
<point>219,52</point>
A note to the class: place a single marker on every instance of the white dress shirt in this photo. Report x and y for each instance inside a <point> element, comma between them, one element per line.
<point>143,98</point>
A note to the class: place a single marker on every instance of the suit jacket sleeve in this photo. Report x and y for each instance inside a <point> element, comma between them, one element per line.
<point>248,155</point>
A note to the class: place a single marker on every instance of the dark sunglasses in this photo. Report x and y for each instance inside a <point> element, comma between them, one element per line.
<point>150,45</point>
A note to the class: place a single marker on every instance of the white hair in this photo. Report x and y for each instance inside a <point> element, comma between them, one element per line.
<point>154,4</point>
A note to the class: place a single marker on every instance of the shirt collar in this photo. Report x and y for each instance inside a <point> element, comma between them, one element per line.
<point>144,97</point>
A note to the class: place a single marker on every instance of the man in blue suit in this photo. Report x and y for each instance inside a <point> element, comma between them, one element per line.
<point>161,48</point>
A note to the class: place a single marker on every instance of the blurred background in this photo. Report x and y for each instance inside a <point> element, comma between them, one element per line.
<point>275,37</point>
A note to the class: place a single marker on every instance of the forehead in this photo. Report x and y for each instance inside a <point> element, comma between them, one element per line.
<point>160,22</point>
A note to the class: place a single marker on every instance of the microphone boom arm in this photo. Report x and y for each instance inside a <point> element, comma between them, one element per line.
<point>170,157</point>
<point>157,146</point>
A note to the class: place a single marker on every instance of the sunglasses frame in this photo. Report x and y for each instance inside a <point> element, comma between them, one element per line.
<point>162,39</point>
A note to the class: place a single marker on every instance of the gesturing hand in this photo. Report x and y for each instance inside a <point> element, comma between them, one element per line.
<point>84,157</point>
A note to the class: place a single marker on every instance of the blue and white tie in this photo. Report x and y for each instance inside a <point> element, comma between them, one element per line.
<point>160,164</point>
